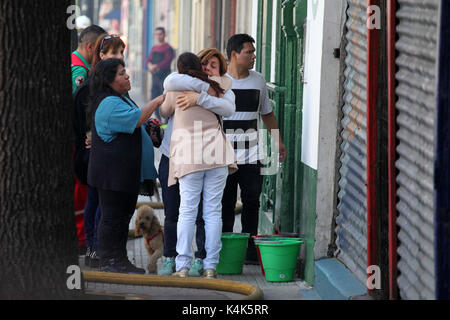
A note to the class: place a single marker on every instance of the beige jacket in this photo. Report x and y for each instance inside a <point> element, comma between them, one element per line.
<point>198,142</point>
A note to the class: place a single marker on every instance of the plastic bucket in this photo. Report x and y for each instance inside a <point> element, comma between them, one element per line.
<point>232,255</point>
<point>279,258</point>
<point>273,237</point>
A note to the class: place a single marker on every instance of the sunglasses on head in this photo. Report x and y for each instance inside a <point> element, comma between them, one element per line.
<point>107,38</point>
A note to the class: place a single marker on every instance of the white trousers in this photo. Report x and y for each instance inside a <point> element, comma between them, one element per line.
<point>212,183</point>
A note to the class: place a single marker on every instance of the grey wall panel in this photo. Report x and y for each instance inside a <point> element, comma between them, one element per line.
<point>416,91</point>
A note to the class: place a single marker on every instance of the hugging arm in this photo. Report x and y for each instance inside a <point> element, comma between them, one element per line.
<point>183,82</point>
<point>224,106</point>
<point>168,107</point>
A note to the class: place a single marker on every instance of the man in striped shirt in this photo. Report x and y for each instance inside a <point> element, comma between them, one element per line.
<point>252,103</point>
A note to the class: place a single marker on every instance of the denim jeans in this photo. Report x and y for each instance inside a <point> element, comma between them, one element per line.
<point>92,214</point>
<point>171,199</point>
<point>211,183</point>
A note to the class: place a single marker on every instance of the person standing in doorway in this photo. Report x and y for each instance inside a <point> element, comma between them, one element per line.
<point>252,102</point>
<point>158,63</point>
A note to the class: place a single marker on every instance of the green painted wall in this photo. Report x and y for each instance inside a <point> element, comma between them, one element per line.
<point>288,198</point>
<point>307,219</point>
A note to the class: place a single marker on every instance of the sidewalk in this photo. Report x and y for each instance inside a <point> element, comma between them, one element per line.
<point>251,275</point>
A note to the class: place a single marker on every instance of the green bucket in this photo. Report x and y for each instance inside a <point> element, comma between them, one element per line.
<point>274,237</point>
<point>279,259</point>
<point>232,255</point>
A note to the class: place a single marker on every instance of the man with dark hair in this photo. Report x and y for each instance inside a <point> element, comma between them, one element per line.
<point>82,57</point>
<point>252,102</point>
<point>158,63</point>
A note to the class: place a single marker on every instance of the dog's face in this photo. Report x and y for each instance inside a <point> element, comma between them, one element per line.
<point>146,221</point>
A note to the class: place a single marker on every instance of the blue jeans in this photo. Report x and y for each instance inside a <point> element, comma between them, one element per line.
<point>92,215</point>
<point>207,185</point>
<point>171,199</point>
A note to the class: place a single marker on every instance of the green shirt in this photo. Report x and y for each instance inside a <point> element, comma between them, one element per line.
<point>79,74</point>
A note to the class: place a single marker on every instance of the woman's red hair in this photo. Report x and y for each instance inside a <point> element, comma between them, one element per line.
<point>208,53</point>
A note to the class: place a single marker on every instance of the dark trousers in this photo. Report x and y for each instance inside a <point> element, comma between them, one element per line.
<point>250,181</point>
<point>171,199</point>
<point>117,209</point>
<point>92,215</point>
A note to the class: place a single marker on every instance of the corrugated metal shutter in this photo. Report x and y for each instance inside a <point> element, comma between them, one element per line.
<point>351,222</point>
<point>417,46</point>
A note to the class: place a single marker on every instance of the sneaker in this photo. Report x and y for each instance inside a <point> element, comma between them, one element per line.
<point>87,257</point>
<point>183,273</point>
<point>94,260</point>
<point>167,268</point>
<point>210,274</point>
<point>196,269</point>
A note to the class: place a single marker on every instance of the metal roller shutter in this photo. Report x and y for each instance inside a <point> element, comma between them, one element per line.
<point>351,222</point>
<point>416,105</point>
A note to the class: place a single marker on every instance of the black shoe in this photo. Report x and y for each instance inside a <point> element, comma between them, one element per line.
<point>87,257</point>
<point>131,268</point>
<point>121,266</point>
<point>94,260</point>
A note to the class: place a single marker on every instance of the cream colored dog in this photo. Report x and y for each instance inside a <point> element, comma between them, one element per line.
<point>147,225</point>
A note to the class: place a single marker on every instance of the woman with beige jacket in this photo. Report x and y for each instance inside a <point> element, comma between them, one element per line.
<point>201,158</point>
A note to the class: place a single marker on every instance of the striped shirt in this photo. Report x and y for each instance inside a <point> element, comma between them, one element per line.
<point>252,100</point>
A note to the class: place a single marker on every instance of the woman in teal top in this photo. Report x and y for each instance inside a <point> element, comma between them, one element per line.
<point>113,116</point>
<point>121,157</point>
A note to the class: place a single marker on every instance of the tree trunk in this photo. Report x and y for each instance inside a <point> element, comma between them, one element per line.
<point>37,224</point>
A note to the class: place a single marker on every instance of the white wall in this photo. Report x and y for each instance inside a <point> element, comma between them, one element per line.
<point>326,121</point>
<point>312,85</point>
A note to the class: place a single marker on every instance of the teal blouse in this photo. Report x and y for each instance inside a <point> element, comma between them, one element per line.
<point>115,116</point>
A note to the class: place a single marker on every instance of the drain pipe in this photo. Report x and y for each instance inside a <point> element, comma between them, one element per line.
<point>373,46</point>
<point>391,27</point>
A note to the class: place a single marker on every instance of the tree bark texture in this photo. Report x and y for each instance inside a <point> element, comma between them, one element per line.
<point>37,224</point>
